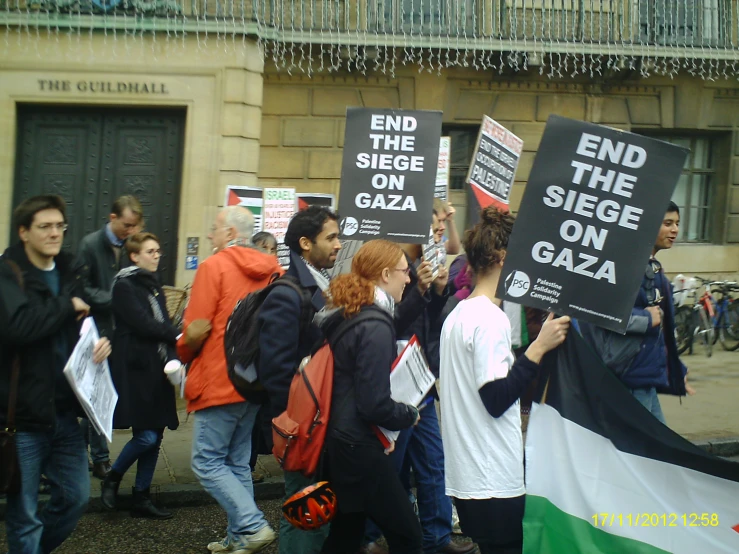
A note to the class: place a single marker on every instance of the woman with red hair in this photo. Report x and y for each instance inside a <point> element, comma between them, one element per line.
<point>361,474</point>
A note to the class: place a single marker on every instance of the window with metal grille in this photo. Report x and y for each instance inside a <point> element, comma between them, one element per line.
<point>684,22</point>
<point>694,192</point>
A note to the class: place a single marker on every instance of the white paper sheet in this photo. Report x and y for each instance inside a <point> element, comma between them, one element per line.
<point>91,382</point>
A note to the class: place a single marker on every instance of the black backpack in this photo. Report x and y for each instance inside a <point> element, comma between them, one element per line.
<point>241,339</point>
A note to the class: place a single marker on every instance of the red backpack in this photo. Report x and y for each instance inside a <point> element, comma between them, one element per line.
<point>299,432</point>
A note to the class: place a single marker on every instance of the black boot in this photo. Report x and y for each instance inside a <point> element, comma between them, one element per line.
<point>144,507</point>
<point>110,489</point>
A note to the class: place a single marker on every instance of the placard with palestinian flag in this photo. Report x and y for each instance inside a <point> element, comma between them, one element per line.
<point>306,199</point>
<point>250,198</point>
<point>603,475</point>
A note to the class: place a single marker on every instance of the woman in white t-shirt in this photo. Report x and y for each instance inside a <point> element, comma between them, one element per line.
<point>480,389</point>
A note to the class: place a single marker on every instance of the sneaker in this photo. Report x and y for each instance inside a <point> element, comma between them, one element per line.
<point>247,544</point>
<point>224,545</point>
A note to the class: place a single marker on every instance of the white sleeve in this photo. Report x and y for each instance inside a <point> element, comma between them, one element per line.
<point>491,352</point>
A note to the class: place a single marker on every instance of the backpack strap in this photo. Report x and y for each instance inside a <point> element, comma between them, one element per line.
<point>348,324</point>
<point>306,300</point>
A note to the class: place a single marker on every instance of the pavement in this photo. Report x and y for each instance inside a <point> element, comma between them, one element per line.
<point>710,419</point>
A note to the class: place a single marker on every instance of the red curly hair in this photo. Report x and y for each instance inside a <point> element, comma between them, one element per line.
<point>353,290</point>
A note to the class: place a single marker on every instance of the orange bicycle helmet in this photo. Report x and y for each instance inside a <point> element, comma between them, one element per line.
<point>311,507</point>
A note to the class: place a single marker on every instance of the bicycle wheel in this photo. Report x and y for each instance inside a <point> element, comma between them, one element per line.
<point>683,334</point>
<point>705,332</point>
<point>729,332</point>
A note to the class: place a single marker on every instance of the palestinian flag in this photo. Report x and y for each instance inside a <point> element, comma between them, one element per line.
<point>604,476</point>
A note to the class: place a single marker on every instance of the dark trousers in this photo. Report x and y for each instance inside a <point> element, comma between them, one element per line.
<point>420,448</point>
<point>60,454</point>
<point>144,448</point>
<point>495,524</point>
<point>380,495</point>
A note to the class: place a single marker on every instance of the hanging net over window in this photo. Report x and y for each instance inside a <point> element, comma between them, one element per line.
<point>557,38</point>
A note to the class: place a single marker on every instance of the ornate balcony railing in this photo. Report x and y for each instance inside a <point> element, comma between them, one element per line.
<point>559,37</point>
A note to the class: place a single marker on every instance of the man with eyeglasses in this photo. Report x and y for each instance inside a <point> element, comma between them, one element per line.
<point>646,358</point>
<point>40,315</point>
<point>103,254</point>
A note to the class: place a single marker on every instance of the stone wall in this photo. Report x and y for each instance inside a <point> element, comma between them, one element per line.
<point>303,128</point>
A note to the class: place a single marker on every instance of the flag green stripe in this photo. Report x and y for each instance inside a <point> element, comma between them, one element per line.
<point>549,530</point>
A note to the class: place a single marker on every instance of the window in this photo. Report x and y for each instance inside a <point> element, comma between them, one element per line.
<point>464,139</point>
<point>694,191</point>
<point>683,22</point>
<point>424,17</point>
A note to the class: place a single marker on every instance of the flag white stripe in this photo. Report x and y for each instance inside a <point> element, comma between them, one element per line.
<point>583,474</point>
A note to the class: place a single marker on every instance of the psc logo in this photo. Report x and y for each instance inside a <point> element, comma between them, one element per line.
<point>517,284</point>
<point>349,226</point>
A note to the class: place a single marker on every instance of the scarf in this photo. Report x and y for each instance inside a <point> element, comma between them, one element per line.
<point>156,309</point>
<point>384,301</point>
<point>320,276</point>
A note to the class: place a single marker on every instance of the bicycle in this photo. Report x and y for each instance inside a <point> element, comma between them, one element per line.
<point>725,318</point>
<point>708,319</point>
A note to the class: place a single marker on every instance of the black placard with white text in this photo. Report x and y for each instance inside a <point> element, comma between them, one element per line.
<point>588,221</point>
<point>388,174</point>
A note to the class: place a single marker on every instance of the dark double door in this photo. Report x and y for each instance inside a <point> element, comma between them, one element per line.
<point>91,156</point>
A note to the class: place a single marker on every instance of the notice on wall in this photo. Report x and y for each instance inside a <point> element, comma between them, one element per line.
<point>279,207</point>
<point>306,199</point>
<point>493,167</point>
<point>249,197</point>
<point>388,174</point>
<point>443,169</point>
<point>588,221</point>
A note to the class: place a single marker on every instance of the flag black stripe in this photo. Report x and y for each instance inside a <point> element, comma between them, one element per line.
<point>587,393</point>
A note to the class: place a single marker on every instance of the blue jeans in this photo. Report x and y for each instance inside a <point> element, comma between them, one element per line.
<point>99,452</point>
<point>144,447</point>
<point>650,400</point>
<point>292,539</point>
<point>421,448</point>
<point>221,446</point>
<point>60,455</point>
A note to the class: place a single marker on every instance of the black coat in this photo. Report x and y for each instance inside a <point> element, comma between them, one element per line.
<point>146,398</point>
<point>363,357</point>
<point>281,344</point>
<point>32,322</point>
<point>96,252</point>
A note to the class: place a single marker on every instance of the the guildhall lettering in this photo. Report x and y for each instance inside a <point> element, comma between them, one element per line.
<point>103,87</point>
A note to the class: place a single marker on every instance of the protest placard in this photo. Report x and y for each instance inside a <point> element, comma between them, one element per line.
<point>91,382</point>
<point>250,198</point>
<point>442,170</point>
<point>588,221</point>
<point>493,167</point>
<point>279,207</point>
<point>343,263</point>
<point>306,199</point>
<point>388,174</point>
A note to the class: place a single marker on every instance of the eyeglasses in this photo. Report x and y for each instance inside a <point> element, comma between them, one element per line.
<point>152,252</point>
<point>406,270</point>
<point>47,227</point>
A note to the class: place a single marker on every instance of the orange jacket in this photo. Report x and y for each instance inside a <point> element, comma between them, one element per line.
<point>220,282</point>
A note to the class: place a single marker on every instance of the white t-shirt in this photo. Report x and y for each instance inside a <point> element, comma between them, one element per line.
<point>483,456</point>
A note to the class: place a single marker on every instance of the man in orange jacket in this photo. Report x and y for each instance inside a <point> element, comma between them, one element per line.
<point>223,419</point>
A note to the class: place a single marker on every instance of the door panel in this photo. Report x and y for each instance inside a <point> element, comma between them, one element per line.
<point>58,153</point>
<point>92,156</point>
